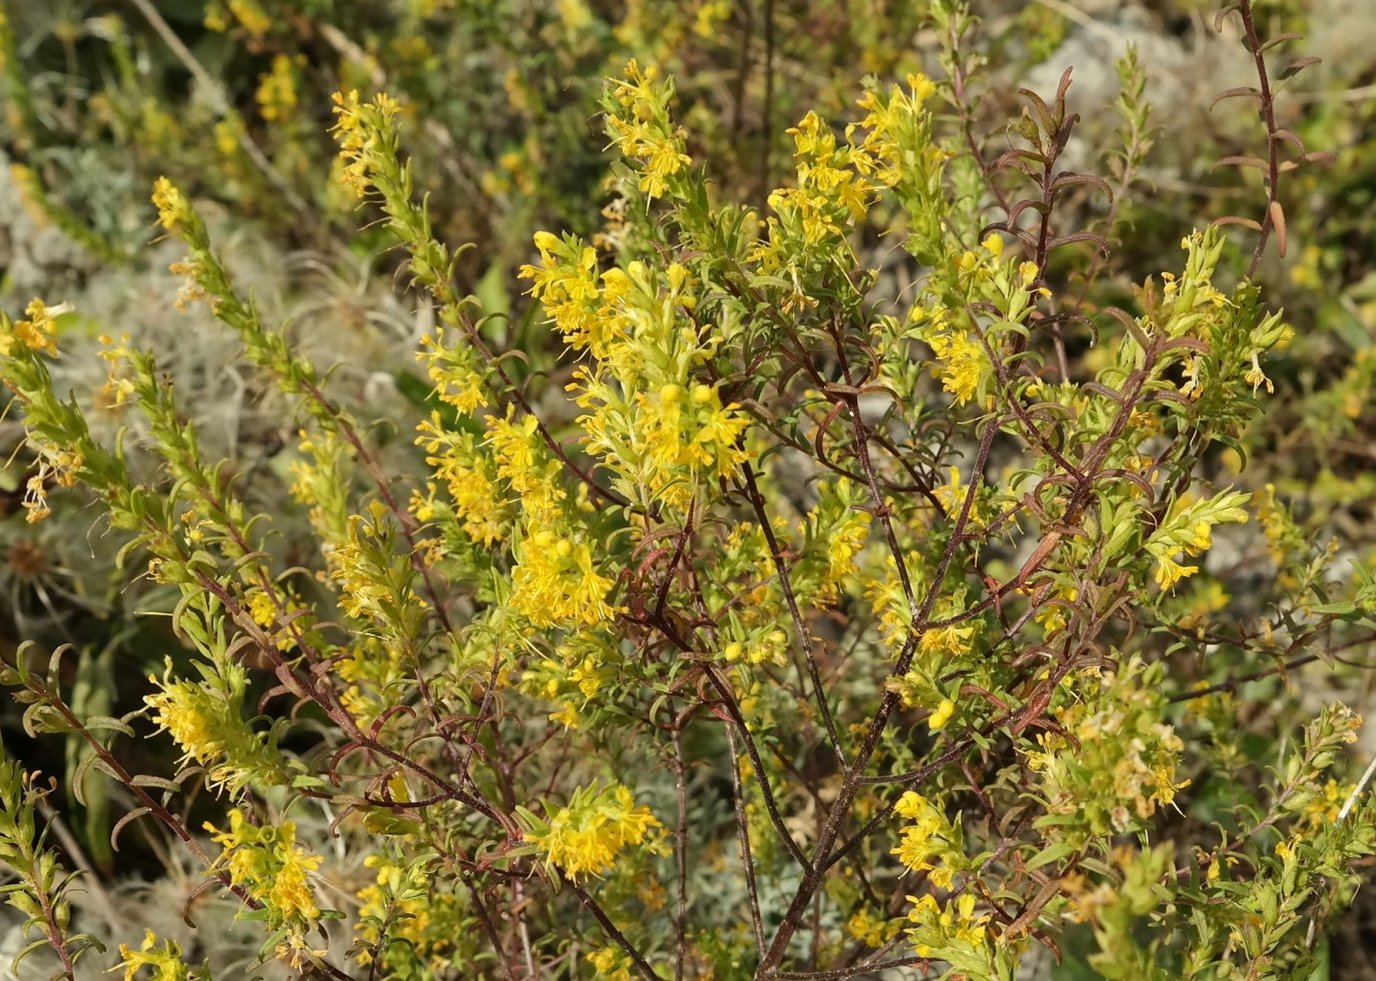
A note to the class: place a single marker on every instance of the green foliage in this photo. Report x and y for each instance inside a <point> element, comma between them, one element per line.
<point>893,565</point>
<point>41,892</point>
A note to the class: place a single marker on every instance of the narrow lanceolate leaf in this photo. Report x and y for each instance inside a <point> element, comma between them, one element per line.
<point>1251,223</point>
<point>1270,43</point>
<point>1222,13</point>
<point>1236,92</point>
<point>1277,215</point>
<point>1239,160</point>
<point>1297,66</point>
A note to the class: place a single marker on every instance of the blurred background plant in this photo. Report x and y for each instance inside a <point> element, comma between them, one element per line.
<point>499,107</point>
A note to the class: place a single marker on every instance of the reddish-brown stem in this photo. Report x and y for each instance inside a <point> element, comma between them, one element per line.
<point>610,929</point>
<point>1268,114</point>
<point>752,491</point>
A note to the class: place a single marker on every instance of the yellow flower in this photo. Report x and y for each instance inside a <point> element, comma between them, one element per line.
<point>871,930</point>
<point>171,204</point>
<point>252,16</point>
<point>1169,571</point>
<point>922,87</point>
<point>643,132</point>
<point>946,640</point>
<point>360,129</point>
<point>179,710</point>
<point>585,306</point>
<point>276,93</point>
<point>588,834</point>
<point>471,477</point>
<point>526,464</point>
<point>38,332</point>
<point>165,961</point>
<point>262,608</point>
<point>914,848</point>
<point>951,494</point>
<point>554,582</point>
<point>204,721</point>
<point>969,928</point>
<point>942,715</point>
<point>611,964</point>
<point>566,715</point>
<point>268,863</point>
<point>960,363</point>
<point>914,807</point>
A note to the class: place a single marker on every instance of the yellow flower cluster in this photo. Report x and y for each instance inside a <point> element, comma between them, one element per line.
<point>25,341</point>
<point>38,332</point>
<point>597,824</point>
<point>681,433</point>
<point>642,129</point>
<point>180,708</point>
<point>555,582</point>
<point>173,208</point>
<point>204,721</point>
<point>1116,763</point>
<point>928,842</point>
<point>453,371</point>
<point>831,186</point>
<point>844,542</point>
<point>961,362</point>
<point>831,195</point>
<point>1189,528</point>
<point>263,608</point>
<point>471,478</point>
<point>611,964</point>
<point>1323,808</point>
<point>276,94</point>
<point>887,119</point>
<point>164,961</point>
<point>361,595</point>
<point>954,924</point>
<point>884,593</point>
<point>769,649</point>
<point>647,420</point>
<point>1190,301</point>
<point>949,641</point>
<point>369,669</point>
<point>582,664</point>
<point>422,923</point>
<point>525,463</point>
<point>267,862</point>
<point>952,497</point>
<point>871,930</point>
<point>249,13</point>
<point>566,282</point>
<point>1169,571</point>
<point>357,130</point>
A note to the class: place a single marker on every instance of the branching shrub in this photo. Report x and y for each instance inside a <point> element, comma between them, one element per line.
<point>793,608</point>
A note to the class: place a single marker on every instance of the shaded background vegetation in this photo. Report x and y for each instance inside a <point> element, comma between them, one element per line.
<point>230,98</point>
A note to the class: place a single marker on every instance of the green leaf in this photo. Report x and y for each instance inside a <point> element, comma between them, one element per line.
<point>1055,853</point>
